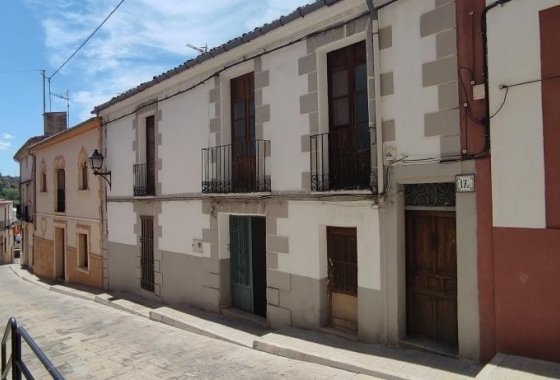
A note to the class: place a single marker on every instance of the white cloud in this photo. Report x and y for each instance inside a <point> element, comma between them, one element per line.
<point>5,145</point>
<point>7,136</point>
<point>142,39</point>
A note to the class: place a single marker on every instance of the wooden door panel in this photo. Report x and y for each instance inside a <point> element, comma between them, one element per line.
<point>446,323</point>
<point>422,240</point>
<point>423,314</point>
<point>240,263</point>
<point>432,275</point>
<point>343,277</point>
<point>447,247</point>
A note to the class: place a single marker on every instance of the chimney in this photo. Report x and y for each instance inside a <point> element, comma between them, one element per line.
<point>54,122</point>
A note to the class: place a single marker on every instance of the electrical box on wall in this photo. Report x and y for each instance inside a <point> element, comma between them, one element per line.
<point>197,246</point>
<point>479,92</point>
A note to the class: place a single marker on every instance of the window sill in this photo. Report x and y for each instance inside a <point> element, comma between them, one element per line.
<point>83,269</point>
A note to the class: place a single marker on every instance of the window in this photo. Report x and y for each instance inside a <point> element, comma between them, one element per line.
<point>349,145</point>
<point>83,176</point>
<point>43,181</point>
<point>243,133</point>
<point>83,251</point>
<point>147,253</point>
<point>60,190</point>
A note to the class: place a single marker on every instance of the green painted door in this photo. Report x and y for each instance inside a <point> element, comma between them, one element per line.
<point>241,262</point>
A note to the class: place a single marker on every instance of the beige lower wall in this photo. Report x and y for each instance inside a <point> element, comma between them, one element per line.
<point>91,276</point>
<point>43,253</point>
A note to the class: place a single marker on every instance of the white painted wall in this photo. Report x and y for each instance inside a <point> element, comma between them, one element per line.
<point>120,223</point>
<point>286,124</point>
<point>518,186</point>
<point>183,223</point>
<point>119,156</point>
<point>184,130</point>
<point>306,228</point>
<point>411,101</point>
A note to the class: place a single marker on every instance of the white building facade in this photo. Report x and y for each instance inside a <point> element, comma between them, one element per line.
<point>254,176</point>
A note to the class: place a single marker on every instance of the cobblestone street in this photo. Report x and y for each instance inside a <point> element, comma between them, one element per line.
<point>86,340</point>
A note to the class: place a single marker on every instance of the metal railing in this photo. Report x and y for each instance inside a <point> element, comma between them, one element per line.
<point>236,168</point>
<point>144,179</point>
<point>341,161</point>
<point>15,361</point>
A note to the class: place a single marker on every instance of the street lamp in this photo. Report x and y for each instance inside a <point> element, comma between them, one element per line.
<point>96,163</point>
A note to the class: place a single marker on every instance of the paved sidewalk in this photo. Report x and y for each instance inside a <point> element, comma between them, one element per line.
<point>313,346</point>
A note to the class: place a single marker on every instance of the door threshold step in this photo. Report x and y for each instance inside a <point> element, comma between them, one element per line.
<point>428,345</point>
<point>244,315</point>
<point>346,334</point>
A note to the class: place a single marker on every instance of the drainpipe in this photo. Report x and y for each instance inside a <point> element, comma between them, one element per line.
<point>31,255</point>
<point>373,35</point>
<point>483,26</point>
<point>377,159</point>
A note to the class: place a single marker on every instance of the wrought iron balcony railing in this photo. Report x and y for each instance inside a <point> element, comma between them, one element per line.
<point>144,179</point>
<point>236,168</point>
<point>341,160</point>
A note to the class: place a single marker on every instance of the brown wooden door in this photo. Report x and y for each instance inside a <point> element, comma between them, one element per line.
<point>150,155</point>
<point>243,133</point>
<point>343,277</point>
<point>431,267</point>
<point>349,138</point>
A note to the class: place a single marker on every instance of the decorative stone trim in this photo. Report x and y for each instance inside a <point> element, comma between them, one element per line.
<point>441,23</point>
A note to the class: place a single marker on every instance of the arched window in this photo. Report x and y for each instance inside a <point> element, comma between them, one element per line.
<point>43,178</point>
<point>60,185</point>
<point>82,170</point>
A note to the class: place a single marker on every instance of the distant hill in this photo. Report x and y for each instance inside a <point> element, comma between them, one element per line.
<point>9,188</point>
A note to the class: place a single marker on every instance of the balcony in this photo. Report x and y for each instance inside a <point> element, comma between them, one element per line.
<point>236,168</point>
<point>341,160</point>
<point>27,215</point>
<point>144,179</point>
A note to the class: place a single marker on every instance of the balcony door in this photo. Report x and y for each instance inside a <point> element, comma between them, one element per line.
<point>150,155</point>
<point>349,138</point>
<point>243,133</point>
<point>60,190</point>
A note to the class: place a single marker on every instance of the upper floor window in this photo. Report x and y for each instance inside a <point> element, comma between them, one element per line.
<point>341,158</point>
<point>83,176</point>
<point>144,173</point>
<point>43,178</point>
<point>82,170</point>
<point>60,190</point>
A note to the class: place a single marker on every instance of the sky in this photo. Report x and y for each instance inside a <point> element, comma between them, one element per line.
<point>142,39</point>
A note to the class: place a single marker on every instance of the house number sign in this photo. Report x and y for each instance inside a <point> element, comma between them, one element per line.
<point>464,183</point>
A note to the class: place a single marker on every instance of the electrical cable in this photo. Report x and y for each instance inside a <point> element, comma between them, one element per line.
<point>87,39</point>
<point>227,67</point>
<point>18,71</point>
<point>503,101</point>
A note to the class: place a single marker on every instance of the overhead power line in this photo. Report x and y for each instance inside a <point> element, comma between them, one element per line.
<point>87,39</point>
<point>18,71</point>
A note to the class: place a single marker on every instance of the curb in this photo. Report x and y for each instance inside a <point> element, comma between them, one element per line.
<point>279,350</point>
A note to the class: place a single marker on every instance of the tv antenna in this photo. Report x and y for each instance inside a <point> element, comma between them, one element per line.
<point>66,98</point>
<point>201,50</point>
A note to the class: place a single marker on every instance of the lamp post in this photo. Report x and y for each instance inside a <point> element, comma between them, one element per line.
<point>96,163</point>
